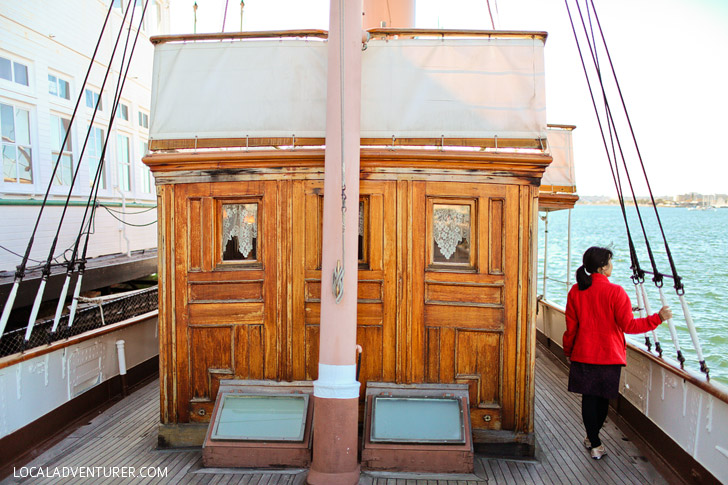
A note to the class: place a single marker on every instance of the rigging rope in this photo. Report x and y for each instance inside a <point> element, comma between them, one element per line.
<point>99,168</point>
<point>638,273</point>
<point>338,276</point>
<point>20,270</point>
<point>46,269</point>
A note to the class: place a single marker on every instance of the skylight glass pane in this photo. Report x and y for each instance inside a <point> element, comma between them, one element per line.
<point>261,418</point>
<point>417,420</point>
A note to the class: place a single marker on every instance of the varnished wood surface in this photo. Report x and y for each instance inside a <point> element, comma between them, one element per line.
<point>125,435</point>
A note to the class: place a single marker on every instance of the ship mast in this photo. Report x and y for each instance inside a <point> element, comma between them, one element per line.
<point>336,392</point>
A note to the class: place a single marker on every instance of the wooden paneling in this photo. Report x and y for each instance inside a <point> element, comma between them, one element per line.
<point>226,290</point>
<point>195,244</point>
<point>202,339</point>
<point>225,313</point>
<point>417,322</point>
<point>463,293</point>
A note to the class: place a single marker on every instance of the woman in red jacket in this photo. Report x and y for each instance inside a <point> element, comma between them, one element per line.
<point>598,314</point>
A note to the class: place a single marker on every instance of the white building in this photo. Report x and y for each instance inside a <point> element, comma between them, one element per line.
<point>45,51</point>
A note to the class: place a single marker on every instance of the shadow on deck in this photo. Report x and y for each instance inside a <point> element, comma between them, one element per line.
<point>125,435</point>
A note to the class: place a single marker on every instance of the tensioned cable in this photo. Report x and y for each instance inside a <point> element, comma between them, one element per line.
<point>679,288</point>
<point>20,270</point>
<point>637,272</point>
<point>127,223</point>
<point>657,278</point>
<point>72,263</point>
<point>46,269</point>
<point>678,284</point>
<point>113,209</point>
<point>99,168</point>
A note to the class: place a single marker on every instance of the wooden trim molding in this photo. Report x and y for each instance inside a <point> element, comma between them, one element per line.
<point>552,202</point>
<point>267,34</point>
<point>513,34</point>
<point>277,142</point>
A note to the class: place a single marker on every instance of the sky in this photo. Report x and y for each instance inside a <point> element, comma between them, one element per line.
<point>669,56</point>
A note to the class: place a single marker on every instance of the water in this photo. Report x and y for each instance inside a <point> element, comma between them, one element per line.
<point>698,242</point>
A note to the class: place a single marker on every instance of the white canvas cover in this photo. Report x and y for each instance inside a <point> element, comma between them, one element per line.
<point>411,88</point>
<point>232,89</point>
<point>560,172</point>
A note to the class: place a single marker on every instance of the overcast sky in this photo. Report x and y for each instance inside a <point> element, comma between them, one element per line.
<point>670,57</point>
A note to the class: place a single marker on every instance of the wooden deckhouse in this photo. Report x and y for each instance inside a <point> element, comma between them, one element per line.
<point>453,148</point>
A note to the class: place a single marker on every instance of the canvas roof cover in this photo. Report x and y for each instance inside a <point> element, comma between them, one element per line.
<point>411,88</point>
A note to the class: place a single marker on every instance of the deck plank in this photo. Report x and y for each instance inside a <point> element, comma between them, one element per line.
<point>125,435</point>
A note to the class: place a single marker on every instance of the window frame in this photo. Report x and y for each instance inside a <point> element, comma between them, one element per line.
<point>432,265</point>
<point>219,246</point>
<point>124,165</point>
<point>58,80</point>
<point>17,186</point>
<point>96,95</point>
<point>55,119</point>
<point>122,112</point>
<point>13,62</point>
<point>147,185</point>
<point>104,173</point>
<point>145,117</point>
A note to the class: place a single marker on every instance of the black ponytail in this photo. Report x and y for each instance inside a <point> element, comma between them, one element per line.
<point>594,258</point>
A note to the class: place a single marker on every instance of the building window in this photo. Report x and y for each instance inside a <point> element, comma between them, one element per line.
<point>59,128</point>
<point>122,112</point>
<point>143,120</point>
<point>92,97</point>
<point>146,174</point>
<point>240,232</point>
<point>123,162</point>
<point>16,149</point>
<point>13,71</point>
<point>94,148</point>
<point>450,234</point>
<point>59,87</point>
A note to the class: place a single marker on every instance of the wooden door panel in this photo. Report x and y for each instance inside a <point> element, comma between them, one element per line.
<point>460,311</point>
<point>376,312</point>
<point>226,310</point>
<point>202,340</point>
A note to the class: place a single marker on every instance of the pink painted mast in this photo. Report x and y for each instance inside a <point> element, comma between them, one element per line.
<point>336,392</point>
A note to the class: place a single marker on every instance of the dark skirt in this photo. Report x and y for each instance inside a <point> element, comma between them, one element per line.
<point>595,379</point>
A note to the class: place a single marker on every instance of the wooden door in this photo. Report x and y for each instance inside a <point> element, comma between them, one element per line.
<point>464,293</point>
<point>226,246</point>
<point>377,292</point>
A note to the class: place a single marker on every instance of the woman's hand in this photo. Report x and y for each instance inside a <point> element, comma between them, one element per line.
<point>665,313</point>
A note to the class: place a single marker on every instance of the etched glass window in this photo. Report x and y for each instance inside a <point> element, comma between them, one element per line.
<point>451,234</point>
<point>240,232</point>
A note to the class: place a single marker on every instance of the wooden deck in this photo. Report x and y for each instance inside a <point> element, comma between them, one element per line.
<point>125,436</point>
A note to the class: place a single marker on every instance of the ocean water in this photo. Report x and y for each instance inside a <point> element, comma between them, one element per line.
<point>698,242</point>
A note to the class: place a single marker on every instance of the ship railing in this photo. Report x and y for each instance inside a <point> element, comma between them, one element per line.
<point>102,312</point>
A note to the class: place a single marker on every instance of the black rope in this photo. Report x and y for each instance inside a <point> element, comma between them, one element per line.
<point>120,87</point>
<point>100,166</point>
<point>113,209</point>
<point>679,288</point>
<point>128,223</point>
<point>46,270</point>
<point>20,270</point>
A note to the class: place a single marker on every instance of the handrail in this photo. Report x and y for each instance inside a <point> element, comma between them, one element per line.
<point>518,34</point>
<point>18,357</point>
<point>261,34</point>
<point>323,34</point>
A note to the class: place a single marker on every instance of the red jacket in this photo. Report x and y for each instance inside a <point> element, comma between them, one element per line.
<point>597,319</point>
